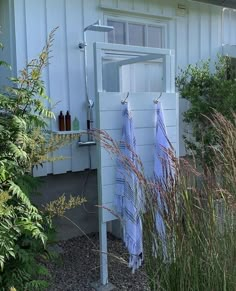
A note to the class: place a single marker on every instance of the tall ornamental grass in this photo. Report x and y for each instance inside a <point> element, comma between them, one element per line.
<point>198,251</point>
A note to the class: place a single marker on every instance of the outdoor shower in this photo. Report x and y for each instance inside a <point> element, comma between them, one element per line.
<point>97,26</point>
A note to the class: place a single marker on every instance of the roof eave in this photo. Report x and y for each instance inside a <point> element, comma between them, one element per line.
<point>221,3</point>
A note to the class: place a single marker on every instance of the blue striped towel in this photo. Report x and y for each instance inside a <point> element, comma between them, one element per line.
<point>128,195</point>
<point>162,170</point>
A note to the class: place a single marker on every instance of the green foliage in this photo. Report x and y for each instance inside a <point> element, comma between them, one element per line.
<point>59,206</point>
<point>2,63</point>
<point>25,143</point>
<point>198,211</point>
<point>207,89</point>
<point>23,115</point>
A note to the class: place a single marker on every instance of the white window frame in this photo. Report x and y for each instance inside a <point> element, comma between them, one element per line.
<point>142,21</point>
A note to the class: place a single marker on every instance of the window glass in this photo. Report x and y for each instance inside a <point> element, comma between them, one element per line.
<point>155,36</point>
<point>118,34</point>
<point>136,34</point>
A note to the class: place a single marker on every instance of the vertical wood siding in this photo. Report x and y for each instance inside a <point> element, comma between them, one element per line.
<point>194,36</point>
<point>7,39</point>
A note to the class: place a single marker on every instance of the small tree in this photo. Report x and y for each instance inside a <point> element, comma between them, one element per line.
<point>206,90</point>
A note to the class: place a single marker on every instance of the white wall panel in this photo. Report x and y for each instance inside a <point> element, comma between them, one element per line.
<point>109,3</point>
<point>140,5</point>
<point>38,28</point>
<point>35,28</point>
<point>233,27</point>
<point>75,72</point>
<point>215,34</point>
<point>58,74</point>
<point>20,34</point>
<point>154,8</point>
<point>193,34</point>
<point>228,27</point>
<point>181,52</point>
<point>204,33</point>
<point>7,38</point>
<point>126,5</point>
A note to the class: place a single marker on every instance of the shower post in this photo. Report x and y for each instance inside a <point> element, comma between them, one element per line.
<point>96,26</point>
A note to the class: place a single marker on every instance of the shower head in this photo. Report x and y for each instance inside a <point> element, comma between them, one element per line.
<point>97,26</point>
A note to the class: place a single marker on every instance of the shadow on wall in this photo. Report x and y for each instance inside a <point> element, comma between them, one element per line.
<point>78,183</point>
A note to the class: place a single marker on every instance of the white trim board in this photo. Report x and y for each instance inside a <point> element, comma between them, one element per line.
<point>161,17</point>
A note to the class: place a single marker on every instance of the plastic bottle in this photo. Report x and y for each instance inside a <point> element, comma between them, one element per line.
<point>75,124</point>
<point>61,119</point>
<point>68,121</point>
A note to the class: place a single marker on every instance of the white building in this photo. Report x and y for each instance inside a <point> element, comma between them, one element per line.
<point>192,30</point>
<point>186,30</point>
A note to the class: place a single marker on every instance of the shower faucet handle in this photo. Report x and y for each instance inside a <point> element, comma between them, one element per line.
<point>82,45</point>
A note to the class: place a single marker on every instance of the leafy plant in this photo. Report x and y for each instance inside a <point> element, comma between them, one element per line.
<point>24,143</point>
<point>207,89</point>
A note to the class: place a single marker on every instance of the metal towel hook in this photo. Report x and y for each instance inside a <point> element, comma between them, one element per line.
<point>157,99</point>
<point>125,100</point>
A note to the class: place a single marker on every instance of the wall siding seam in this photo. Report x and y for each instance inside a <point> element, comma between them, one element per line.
<point>66,57</point>
<point>133,6</point>
<point>188,31</point>
<point>210,32</point>
<point>176,47</point>
<point>200,34</point>
<point>67,73</point>
<point>25,29</point>
<point>48,89</point>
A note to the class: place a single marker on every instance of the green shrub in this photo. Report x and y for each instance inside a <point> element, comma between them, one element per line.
<point>207,89</point>
<point>22,232</point>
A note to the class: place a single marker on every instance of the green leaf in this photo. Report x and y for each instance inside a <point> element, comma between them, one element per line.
<point>2,63</point>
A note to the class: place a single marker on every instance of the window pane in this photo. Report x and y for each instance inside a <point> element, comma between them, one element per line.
<point>118,34</point>
<point>155,36</point>
<point>136,34</point>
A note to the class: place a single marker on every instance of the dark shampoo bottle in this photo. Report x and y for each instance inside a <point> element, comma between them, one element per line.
<point>61,120</point>
<point>68,121</point>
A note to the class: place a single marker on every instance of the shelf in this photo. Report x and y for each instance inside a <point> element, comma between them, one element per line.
<point>86,143</point>
<point>76,132</point>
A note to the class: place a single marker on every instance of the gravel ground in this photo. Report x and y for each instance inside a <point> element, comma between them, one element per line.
<point>78,266</point>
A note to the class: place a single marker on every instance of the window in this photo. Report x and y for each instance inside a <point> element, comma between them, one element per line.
<point>119,34</point>
<point>140,34</point>
<point>136,34</point>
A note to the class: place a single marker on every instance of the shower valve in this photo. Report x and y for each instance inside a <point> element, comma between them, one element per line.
<point>82,45</point>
